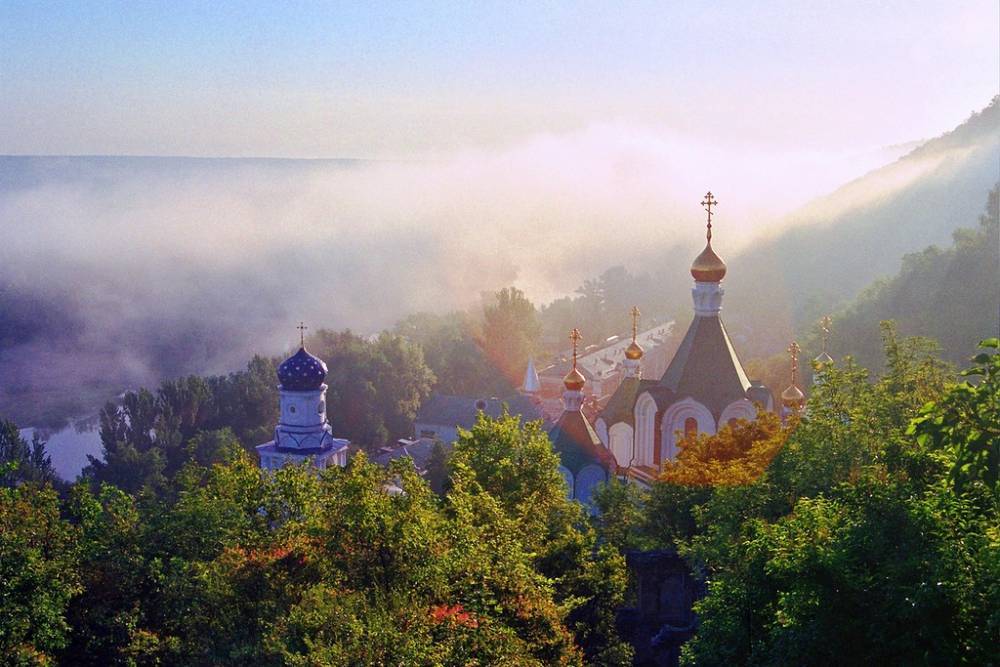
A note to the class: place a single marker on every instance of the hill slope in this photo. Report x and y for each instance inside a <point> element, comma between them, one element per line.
<point>837,245</point>
<point>951,295</point>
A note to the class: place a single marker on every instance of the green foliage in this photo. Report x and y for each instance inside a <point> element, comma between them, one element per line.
<point>852,548</point>
<point>950,295</point>
<point>375,387</point>
<point>511,332</point>
<point>237,566</point>
<point>437,469</point>
<point>872,537</point>
<point>452,346</point>
<point>21,461</point>
<point>38,574</point>
<point>513,466</point>
<point>966,424</point>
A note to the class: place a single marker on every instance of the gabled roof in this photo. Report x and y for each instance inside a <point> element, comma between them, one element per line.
<point>420,452</point>
<point>576,442</point>
<point>706,366</point>
<point>621,406</point>
<point>451,411</point>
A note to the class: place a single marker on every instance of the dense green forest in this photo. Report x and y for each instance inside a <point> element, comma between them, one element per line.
<point>951,295</point>
<point>866,531</point>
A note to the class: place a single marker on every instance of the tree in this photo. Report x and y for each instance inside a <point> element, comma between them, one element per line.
<point>437,469</point>
<point>511,332</point>
<point>965,423</point>
<point>852,546</point>
<point>22,462</point>
<point>737,455</point>
<point>375,387</point>
<point>453,351</point>
<point>38,574</point>
<point>513,465</point>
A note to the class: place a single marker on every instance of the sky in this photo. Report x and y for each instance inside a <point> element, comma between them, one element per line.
<point>417,80</point>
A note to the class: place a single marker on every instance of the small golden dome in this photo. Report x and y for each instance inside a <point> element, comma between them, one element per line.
<point>634,351</point>
<point>792,397</point>
<point>574,380</point>
<point>708,267</point>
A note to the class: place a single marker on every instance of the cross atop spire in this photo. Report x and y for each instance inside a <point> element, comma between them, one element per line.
<point>302,333</point>
<point>824,327</point>
<point>708,203</point>
<point>635,322</point>
<point>575,336</point>
<point>794,350</point>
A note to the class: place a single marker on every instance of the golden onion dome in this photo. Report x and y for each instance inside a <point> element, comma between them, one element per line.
<point>708,267</point>
<point>792,397</point>
<point>574,380</point>
<point>634,351</point>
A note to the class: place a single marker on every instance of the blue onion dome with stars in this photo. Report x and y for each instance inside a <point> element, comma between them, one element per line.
<point>302,372</point>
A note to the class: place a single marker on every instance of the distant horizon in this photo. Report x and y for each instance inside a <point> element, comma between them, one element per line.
<point>422,80</point>
<point>906,144</point>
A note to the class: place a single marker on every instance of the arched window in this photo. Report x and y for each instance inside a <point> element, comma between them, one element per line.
<point>690,427</point>
<point>645,419</point>
<point>621,444</point>
<point>587,481</point>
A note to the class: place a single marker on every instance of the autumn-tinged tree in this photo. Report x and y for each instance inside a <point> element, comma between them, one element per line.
<point>737,455</point>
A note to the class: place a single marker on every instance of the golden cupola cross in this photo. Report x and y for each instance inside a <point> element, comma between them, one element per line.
<point>575,336</point>
<point>708,203</point>
<point>793,351</point>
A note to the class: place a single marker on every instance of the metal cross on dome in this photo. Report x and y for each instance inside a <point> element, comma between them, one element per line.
<point>794,350</point>
<point>824,325</point>
<point>635,322</point>
<point>302,333</point>
<point>708,203</point>
<point>575,336</point>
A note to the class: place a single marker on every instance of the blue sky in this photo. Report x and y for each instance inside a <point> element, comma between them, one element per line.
<point>416,79</point>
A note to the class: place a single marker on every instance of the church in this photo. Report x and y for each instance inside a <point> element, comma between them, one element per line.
<point>703,388</point>
<point>584,462</point>
<point>303,432</point>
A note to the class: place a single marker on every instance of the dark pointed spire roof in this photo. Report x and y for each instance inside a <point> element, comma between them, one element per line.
<point>706,367</point>
<point>302,372</point>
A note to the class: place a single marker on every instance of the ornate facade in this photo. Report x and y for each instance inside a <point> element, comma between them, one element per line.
<point>703,388</point>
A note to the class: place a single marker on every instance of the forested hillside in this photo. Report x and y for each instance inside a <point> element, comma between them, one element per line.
<point>839,244</point>
<point>951,295</point>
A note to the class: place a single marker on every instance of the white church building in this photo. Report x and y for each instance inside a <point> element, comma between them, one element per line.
<point>703,388</point>
<point>303,432</point>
